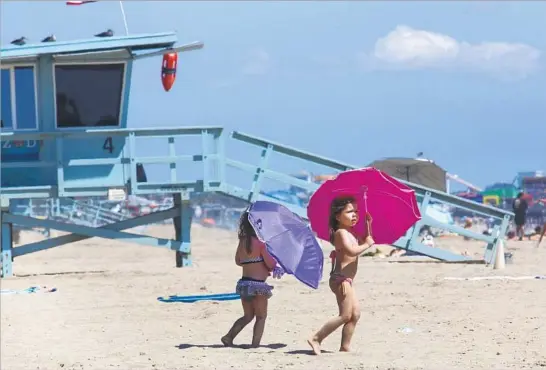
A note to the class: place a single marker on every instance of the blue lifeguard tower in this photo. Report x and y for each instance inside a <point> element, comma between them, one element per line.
<point>65,134</point>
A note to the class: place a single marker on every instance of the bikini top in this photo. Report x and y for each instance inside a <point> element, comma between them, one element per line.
<point>256,243</point>
<point>252,260</point>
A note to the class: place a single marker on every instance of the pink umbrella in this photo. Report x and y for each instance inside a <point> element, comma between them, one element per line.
<point>391,204</point>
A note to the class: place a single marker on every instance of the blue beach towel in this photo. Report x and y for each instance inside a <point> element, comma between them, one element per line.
<point>32,289</point>
<point>196,298</point>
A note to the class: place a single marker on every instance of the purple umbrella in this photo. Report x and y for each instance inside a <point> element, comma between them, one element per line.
<point>289,239</point>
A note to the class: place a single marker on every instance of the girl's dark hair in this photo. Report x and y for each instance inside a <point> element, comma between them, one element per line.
<point>336,207</point>
<point>246,232</point>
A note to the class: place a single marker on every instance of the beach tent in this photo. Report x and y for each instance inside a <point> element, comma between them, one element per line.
<point>502,190</point>
<point>473,196</point>
<point>418,171</point>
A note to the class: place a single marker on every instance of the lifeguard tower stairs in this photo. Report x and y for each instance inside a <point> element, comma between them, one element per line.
<point>64,111</point>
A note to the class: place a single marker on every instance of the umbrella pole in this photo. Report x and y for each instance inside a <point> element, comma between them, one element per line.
<point>368,226</point>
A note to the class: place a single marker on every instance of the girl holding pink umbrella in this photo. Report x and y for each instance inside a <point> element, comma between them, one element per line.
<point>343,217</point>
<point>333,212</point>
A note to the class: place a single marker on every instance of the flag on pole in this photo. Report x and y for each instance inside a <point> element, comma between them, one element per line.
<point>79,2</point>
<point>75,2</point>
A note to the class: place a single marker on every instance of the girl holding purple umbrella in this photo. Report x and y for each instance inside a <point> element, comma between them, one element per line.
<point>257,265</point>
<point>343,218</point>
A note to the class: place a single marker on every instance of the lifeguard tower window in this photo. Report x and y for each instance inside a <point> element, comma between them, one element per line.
<point>89,95</point>
<point>18,98</point>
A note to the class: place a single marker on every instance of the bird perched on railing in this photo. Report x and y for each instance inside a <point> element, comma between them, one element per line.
<point>107,33</point>
<point>20,41</point>
<point>50,38</point>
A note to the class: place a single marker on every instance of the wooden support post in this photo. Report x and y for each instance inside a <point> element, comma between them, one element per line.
<point>6,241</point>
<point>182,228</point>
<point>499,235</point>
<point>414,238</point>
<point>258,176</point>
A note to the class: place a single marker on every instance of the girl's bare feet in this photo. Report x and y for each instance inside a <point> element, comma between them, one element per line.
<point>227,341</point>
<point>315,345</point>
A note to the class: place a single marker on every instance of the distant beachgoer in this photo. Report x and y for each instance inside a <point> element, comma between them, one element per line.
<point>541,234</point>
<point>257,265</point>
<point>348,247</point>
<point>197,211</point>
<point>520,210</point>
<point>428,241</point>
<point>468,223</point>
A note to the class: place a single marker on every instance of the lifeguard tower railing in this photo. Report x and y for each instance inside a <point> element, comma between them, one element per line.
<point>499,219</point>
<point>213,175</point>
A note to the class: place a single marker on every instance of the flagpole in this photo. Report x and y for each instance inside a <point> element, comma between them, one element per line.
<point>124,18</point>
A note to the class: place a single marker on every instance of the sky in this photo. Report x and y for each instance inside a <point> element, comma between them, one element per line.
<point>462,82</point>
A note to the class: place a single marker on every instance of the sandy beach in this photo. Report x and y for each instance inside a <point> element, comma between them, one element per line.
<point>105,313</point>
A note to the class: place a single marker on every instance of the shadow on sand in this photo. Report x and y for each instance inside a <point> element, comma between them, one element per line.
<point>305,352</point>
<point>239,346</point>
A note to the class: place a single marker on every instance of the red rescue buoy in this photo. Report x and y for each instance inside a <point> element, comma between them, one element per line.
<point>168,70</point>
